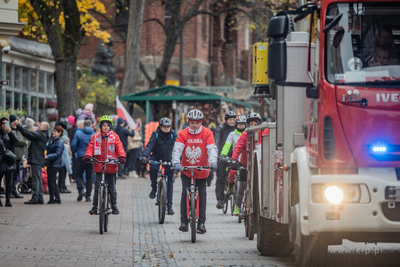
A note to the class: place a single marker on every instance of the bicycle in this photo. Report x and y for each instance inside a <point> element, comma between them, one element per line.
<point>192,200</point>
<point>161,200</point>
<point>104,205</point>
<point>230,196</point>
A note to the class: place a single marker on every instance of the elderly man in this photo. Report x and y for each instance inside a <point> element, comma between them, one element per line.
<point>36,158</point>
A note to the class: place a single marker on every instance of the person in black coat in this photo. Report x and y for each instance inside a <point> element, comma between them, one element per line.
<point>36,158</point>
<point>55,149</point>
<point>123,134</point>
<point>161,143</point>
<point>220,136</point>
<point>7,141</point>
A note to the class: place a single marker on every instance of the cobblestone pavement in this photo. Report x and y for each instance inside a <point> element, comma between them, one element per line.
<point>66,235</point>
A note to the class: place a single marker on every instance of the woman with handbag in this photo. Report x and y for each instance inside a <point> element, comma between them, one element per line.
<point>55,149</point>
<point>7,158</point>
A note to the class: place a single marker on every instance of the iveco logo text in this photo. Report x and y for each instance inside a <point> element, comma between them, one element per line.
<point>387,97</point>
<point>195,141</point>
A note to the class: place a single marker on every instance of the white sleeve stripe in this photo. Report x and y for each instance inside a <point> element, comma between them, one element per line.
<point>177,152</point>
<point>212,153</point>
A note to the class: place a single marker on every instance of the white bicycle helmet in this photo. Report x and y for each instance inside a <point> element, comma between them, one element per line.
<point>165,121</point>
<point>195,115</point>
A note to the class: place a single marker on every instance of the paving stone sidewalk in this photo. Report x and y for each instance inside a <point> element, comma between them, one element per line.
<point>66,235</point>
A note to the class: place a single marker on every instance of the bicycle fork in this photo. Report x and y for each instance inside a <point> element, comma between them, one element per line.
<point>192,190</point>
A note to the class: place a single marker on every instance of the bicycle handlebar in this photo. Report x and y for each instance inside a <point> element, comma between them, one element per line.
<point>108,161</point>
<point>199,168</point>
<point>239,166</point>
<point>163,163</point>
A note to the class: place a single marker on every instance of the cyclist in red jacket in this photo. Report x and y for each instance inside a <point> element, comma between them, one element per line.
<point>196,146</point>
<point>105,144</point>
<point>253,119</point>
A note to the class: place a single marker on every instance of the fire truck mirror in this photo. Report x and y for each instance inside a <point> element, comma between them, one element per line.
<point>337,39</point>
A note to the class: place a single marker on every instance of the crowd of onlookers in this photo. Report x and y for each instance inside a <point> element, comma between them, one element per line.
<point>36,161</point>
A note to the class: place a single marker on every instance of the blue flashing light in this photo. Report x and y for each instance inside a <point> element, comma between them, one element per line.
<point>379,149</point>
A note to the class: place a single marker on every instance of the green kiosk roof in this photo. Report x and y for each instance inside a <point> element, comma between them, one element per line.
<point>172,92</point>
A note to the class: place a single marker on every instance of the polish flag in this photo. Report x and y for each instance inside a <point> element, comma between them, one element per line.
<point>122,113</point>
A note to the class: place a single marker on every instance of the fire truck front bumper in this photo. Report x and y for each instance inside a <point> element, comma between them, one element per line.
<point>353,203</point>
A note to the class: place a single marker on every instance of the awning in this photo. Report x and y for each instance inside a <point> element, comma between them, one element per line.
<point>171,92</point>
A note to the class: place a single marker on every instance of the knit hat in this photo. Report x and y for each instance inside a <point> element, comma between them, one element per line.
<point>89,106</point>
<point>65,139</point>
<point>12,118</point>
<point>71,119</point>
<point>120,120</point>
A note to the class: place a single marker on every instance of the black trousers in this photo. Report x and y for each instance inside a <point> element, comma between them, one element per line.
<point>7,182</point>
<point>15,177</point>
<point>202,190</point>
<point>221,179</point>
<point>62,174</point>
<point>111,180</point>
<point>81,166</point>
<point>51,179</point>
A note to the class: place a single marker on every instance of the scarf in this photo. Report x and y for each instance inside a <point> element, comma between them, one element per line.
<point>109,138</point>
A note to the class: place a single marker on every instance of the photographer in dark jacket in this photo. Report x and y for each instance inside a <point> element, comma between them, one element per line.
<point>36,158</point>
<point>221,133</point>
<point>7,141</point>
<point>20,151</point>
<point>123,134</point>
<point>55,149</point>
<point>161,143</point>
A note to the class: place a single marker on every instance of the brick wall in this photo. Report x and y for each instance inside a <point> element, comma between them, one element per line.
<point>196,45</point>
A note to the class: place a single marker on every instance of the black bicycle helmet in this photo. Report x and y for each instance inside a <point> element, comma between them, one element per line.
<point>195,115</point>
<point>254,117</point>
<point>230,114</point>
<point>240,119</point>
<point>165,121</point>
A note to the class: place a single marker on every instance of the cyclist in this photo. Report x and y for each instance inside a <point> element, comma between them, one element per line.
<point>105,144</point>
<point>253,119</point>
<point>161,144</point>
<point>221,134</point>
<point>240,126</point>
<point>196,146</point>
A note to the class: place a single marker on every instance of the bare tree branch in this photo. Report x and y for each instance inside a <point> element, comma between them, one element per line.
<point>156,20</point>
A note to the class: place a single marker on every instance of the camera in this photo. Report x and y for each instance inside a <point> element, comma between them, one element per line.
<point>6,49</point>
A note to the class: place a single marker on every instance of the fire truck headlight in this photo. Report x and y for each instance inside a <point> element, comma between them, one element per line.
<point>337,193</point>
<point>333,194</point>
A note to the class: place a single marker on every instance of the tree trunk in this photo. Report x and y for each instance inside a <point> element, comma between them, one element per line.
<point>132,47</point>
<point>161,72</point>
<point>66,81</point>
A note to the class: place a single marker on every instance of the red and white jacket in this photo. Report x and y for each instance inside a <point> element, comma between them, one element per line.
<point>196,149</point>
<point>110,148</point>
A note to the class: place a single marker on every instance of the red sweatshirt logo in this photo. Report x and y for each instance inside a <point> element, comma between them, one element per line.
<point>193,154</point>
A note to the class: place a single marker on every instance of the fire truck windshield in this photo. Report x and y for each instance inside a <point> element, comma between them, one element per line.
<point>364,47</point>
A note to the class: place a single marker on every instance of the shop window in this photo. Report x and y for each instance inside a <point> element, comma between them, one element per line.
<point>42,112</point>
<point>25,79</point>
<point>49,84</point>
<point>17,100</point>
<point>8,99</point>
<point>25,101</point>
<point>18,78</point>
<point>34,107</point>
<point>8,73</point>
<point>41,82</point>
<point>34,81</point>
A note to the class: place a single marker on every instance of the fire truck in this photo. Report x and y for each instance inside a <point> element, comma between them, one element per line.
<point>330,167</point>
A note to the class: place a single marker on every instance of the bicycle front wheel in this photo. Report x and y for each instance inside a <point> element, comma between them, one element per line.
<point>101,208</point>
<point>192,200</point>
<point>107,208</point>
<point>162,200</point>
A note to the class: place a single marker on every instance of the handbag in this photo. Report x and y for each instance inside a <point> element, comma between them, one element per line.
<point>10,156</point>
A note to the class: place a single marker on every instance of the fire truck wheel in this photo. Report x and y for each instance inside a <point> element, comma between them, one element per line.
<point>272,238</point>
<point>312,251</point>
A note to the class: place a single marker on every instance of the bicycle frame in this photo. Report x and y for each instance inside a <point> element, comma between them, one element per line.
<point>192,189</point>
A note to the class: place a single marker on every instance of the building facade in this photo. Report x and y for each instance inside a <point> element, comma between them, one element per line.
<point>216,50</point>
<point>29,69</point>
